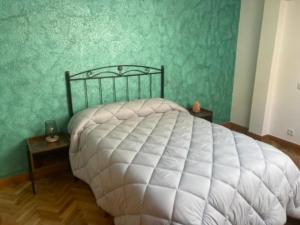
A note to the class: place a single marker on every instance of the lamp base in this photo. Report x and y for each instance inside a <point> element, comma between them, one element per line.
<point>52,139</point>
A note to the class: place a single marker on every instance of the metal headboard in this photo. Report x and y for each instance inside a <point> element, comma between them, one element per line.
<point>112,72</point>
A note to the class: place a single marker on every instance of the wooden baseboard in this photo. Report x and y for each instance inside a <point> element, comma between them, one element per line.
<point>236,127</point>
<point>265,138</point>
<point>282,142</point>
<point>255,136</point>
<point>241,129</point>
<point>14,180</point>
<point>50,171</point>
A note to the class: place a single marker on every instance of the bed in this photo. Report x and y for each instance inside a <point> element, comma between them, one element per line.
<point>148,161</point>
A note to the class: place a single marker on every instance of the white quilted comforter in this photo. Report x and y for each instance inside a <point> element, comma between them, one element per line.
<point>150,162</point>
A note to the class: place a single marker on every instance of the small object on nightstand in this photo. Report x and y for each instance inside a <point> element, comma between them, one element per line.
<point>51,131</point>
<point>54,138</point>
<point>204,114</point>
<point>196,107</point>
<point>46,158</point>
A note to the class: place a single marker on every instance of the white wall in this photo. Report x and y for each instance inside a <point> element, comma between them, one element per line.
<point>263,77</point>
<point>276,99</point>
<point>246,58</point>
<point>285,104</point>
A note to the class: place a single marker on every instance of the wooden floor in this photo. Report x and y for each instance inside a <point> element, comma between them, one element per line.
<point>62,201</point>
<point>293,153</point>
<point>59,201</point>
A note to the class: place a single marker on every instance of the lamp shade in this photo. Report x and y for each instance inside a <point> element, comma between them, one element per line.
<point>51,131</point>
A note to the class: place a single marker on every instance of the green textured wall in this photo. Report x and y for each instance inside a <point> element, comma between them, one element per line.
<point>39,40</point>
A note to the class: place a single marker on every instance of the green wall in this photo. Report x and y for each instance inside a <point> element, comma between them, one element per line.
<point>39,40</point>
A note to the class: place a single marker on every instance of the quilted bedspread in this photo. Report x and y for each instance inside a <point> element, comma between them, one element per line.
<point>150,162</point>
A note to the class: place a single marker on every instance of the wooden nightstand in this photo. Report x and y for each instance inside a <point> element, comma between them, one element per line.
<point>204,113</point>
<point>46,158</point>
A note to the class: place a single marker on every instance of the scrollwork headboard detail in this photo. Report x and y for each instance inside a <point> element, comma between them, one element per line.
<point>113,73</point>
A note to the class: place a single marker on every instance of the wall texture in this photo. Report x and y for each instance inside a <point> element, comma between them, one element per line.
<point>39,40</point>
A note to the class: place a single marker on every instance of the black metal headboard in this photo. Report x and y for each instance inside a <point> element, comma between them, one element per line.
<point>113,73</point>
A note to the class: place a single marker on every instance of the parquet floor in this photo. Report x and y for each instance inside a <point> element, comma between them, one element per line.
<point>59,201</point>
<point>62,201</point>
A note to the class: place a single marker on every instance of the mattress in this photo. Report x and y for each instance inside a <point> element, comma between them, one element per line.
<point>150,162</point>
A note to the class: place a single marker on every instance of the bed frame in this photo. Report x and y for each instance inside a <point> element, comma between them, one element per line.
<point>112,72</point>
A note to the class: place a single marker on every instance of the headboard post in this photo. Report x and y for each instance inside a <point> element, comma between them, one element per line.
<point>162,87</point>
<point>69,93</point>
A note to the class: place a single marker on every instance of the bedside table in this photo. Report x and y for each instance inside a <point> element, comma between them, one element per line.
<point>204,114</point>
<point>45,158</point>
